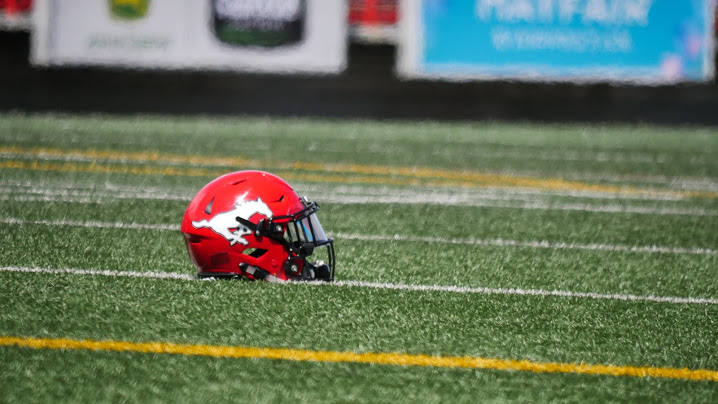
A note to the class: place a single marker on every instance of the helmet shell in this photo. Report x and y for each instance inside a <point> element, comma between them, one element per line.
<point>217,241</point>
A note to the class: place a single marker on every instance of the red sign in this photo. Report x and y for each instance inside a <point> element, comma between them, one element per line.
<point>373,12</point>
<point>15,6</point>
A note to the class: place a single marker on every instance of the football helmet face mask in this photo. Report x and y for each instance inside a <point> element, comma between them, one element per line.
<point>252,224</point>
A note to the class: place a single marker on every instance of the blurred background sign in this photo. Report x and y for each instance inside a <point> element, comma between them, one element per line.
<point>253,35</point>
<point>373,21</point>
<point>15,15</point>
<point>643,41</point>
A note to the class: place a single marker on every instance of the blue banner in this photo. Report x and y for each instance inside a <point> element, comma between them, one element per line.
<point>655,41</point>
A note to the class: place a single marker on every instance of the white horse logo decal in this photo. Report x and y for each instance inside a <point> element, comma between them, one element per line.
<point>223,223</point>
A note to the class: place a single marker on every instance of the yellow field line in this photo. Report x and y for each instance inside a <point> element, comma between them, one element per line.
<point>217,351</point>
<point>202,172</point>
<point>370,173</point>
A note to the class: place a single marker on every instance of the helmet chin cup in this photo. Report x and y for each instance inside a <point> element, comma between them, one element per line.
<point>322,272</point>
<point>309,271</point>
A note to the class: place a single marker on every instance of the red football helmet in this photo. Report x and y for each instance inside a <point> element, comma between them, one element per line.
<point>252,224</point>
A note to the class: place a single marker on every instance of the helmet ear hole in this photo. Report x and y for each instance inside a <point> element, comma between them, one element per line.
<point>208,208</point>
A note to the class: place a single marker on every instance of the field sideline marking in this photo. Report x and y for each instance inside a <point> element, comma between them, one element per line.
<point>372,358</point>
<point>498,242</point>
<point>494,193</point>
<point>525,292</point>
<point>95,196</point>
<point>334,172</point>
<point>392,286</point>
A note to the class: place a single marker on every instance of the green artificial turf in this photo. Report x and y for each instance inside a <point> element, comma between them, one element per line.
<point>385,261</point>
<point>544,329</point>
<point>556,150</point>
<point>112,377</point>
<point>65,213</point>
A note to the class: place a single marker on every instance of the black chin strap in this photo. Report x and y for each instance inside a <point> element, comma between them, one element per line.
<point>246,223</point>
<point>257,273</point>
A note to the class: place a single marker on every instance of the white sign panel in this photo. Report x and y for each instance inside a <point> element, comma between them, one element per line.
<point>249,35</point>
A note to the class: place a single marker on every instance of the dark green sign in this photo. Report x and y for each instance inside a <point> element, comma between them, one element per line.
<point>264,23</point>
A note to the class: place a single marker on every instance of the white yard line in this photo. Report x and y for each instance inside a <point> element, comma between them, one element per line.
<point>70,193</point>
<point>530,205</point>
<point>492,199</point>
<point>92,224</point>
<point>527,292</point>
<point>490,193</point>
<point>101,272</point>
<point>498,242</point>
<point>493,193</point>
<point>391,286</point>
<point>610,156</point>
<point>584,156</point>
